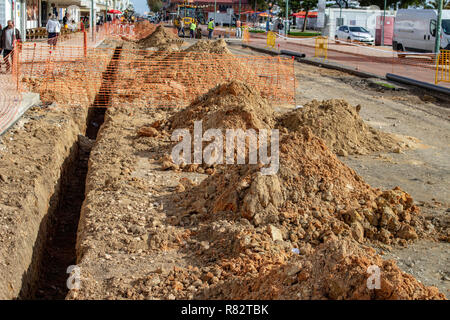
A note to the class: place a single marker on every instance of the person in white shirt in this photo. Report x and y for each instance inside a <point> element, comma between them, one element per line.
<point>53,29</point>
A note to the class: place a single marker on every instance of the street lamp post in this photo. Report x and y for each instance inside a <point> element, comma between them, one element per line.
<point>92,19</point>
<point>239,10</point>
<point>437,43</point>
<point>287,17</point>
<point>384,22</point>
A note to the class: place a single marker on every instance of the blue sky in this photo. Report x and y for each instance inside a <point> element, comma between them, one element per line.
<point>140,5</point>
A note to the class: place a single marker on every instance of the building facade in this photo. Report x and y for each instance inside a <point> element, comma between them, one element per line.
<point>221,5</point>
<point>28,14</point>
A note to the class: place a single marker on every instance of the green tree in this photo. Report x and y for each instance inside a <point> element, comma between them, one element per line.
<point>294,6</point>
<point>260,5</point>
<point>434,4</point>
<point>307,6</point>
<point>392,3</point>
<point>154,5</point>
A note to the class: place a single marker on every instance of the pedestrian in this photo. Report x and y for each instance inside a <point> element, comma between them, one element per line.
<point>54,10</point>
<point>53,28</point>
<point>66,20</point>
<point>211,25</point>
<point>180,24</point>
<point>9,36</point>
<point>192,28</point>
<point>238,29</point>
<point>1,46</point>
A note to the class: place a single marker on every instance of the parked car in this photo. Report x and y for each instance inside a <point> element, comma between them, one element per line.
<point>354,33</point>
<point>415,30</point>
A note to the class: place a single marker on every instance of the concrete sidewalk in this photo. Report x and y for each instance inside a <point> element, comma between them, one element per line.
<point>13,104</point>
<point>378,62</point>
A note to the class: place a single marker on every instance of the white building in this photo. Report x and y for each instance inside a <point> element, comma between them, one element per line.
<point>335,17</point>
<point>29,14</point>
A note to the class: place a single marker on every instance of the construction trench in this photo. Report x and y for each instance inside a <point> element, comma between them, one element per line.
<point>104,194</point>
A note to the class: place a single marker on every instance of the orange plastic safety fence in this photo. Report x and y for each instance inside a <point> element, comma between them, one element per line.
<point>146,78</point>
<point>10,95</point>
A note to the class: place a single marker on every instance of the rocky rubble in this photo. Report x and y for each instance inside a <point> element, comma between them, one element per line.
<point>340,126</point>
<point>161,37</point>
<point>333,270</point>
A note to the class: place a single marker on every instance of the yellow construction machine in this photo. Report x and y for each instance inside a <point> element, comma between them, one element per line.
<point>190,13</point>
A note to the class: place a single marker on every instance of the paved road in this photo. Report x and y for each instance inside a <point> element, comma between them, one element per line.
<point>375,60</point>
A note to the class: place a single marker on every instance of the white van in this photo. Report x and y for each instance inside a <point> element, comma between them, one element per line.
<point>415,30</point>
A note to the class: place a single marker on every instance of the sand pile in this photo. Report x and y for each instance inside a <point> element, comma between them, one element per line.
<point>217,47</point>
<point>334,270</point>
<point>161,37</point>
<point>340,126</point>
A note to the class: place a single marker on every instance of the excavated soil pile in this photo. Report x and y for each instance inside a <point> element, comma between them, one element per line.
<point>248,223</point>
<point>67,90</point>
<point>334,270</point>
<point>217,47</point>
<point>161,38</point>
<point>178,78</point>
<point>143,29</point>
<point>340,126</point>
<point>312,196</point>
<point>230,105</point>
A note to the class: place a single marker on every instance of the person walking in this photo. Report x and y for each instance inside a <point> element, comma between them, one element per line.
<point>210,28</point>
<point>1,46</point>
<point>66,20</point>
<point>238,29</point>
<point>53,28</point>
<point>180,25</point>
<point>192,29</point>
<point>9,36</point>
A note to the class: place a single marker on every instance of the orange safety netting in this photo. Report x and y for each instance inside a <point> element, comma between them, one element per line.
<point>146,78</point>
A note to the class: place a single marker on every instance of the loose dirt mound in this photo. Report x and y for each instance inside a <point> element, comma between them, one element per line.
<point>143,29</point>
<point>340,125</point>
<point>312,197</point>
<point>218,47</point>
<point>335,270</point>
<point>178,78</point>
<point>161,37</point>
<point>230,105</point>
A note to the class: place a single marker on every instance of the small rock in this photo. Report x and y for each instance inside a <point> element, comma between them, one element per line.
<point>397,150</point>
<point>205,245</point>
<point>358,231</point>
<point>407,232</point>
<point>275,233</point>
<point>148,132</point>
<point>342,153</point>
<point>3,178</point>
